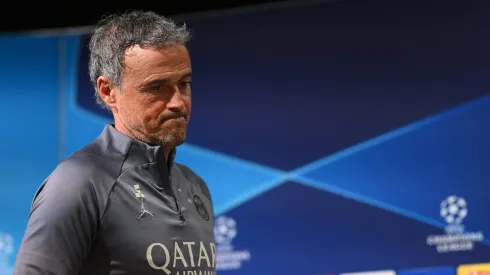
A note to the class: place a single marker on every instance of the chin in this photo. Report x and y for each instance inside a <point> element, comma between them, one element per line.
<point>176,139</point>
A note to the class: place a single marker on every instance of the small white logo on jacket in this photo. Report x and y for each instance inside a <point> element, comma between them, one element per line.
<point>141,197</point>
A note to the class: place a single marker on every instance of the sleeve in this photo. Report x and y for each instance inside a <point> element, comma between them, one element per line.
<point>62,225</point>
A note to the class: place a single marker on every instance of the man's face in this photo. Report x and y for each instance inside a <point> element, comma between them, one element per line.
<point>155,102</point>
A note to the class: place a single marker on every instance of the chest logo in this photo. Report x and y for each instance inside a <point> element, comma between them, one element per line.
<point>200,207</point>
<point>141,198</point>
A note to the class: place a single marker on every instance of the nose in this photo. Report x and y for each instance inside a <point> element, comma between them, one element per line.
<point>176,102</point>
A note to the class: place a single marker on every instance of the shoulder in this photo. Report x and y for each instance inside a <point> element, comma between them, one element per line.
<point>194,178</point>
<point>89,165</point>
<point>86,172</point>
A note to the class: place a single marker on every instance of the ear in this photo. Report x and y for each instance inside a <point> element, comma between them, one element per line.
<point>107,91</point>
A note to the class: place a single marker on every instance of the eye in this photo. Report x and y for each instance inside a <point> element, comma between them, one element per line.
<point>155,87</point>
<point>185,84</point>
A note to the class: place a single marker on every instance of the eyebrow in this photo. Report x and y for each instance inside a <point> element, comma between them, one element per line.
<point>161,80</point>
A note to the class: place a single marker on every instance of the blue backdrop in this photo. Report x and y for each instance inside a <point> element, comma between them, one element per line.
<point>335,137</point>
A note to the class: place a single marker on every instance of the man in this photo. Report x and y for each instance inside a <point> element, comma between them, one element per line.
<point>121,205</point>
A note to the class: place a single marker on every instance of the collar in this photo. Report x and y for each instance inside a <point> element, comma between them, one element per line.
<point>136,152</point>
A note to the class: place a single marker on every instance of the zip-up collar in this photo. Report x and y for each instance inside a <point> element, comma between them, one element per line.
<point>136,152</point>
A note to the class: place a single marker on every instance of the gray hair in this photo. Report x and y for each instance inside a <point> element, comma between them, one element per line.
<point>116,33</point>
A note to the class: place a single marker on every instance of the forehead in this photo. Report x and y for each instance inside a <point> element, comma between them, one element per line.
<point>147,61</point>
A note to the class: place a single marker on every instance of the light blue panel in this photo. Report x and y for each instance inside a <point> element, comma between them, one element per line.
<point>29,128</point>
<point>80,127</point>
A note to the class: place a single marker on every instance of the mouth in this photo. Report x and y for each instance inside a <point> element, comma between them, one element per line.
<point>183,114</point>
<point>176,118</point>
<point>181,117</point>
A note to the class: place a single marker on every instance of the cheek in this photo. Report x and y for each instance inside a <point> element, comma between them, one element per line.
<point>153,110</point>
<point>188,107</point>
<point>187,103</point>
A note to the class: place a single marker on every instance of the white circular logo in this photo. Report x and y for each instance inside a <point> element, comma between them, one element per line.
<point>224,230</point>
<point>453,210</point>
<point>6,243</point>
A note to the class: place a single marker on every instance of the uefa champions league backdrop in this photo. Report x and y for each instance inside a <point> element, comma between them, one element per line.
<point>336,137</point>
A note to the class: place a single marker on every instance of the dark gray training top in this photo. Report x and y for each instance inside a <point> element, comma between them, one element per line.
<point>115,208</point>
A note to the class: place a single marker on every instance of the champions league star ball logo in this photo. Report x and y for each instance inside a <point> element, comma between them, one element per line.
<point>6,244</point>
<point>227,258</point>
<point>224,230</point>
<point>453,211</point>
<point>6,249</point>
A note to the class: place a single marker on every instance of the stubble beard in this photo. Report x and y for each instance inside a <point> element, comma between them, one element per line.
<point>158,134</point>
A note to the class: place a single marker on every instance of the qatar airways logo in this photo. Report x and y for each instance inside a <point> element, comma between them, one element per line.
<point>185,258</point>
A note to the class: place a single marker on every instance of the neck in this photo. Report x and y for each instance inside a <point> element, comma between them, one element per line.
<point>166,149</point>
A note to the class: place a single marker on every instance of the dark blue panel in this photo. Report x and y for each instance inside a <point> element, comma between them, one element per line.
<point>294,229</point>
<point>288,86</point>
<point>429,271</point>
